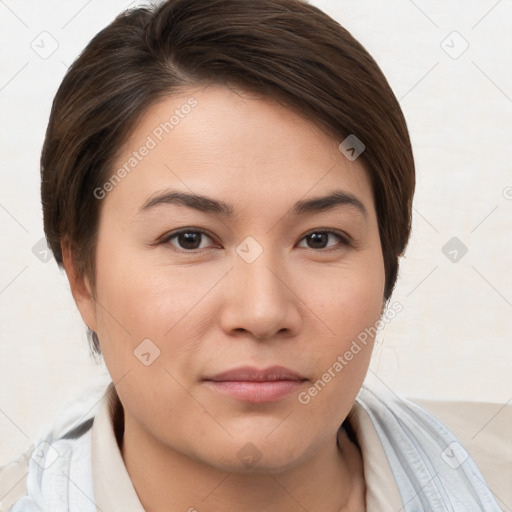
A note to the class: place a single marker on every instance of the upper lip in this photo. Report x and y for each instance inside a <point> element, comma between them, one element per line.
<point>250,373</point>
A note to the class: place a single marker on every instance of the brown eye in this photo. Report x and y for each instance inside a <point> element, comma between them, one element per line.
<point>320,239</point>
<point>187,240</point>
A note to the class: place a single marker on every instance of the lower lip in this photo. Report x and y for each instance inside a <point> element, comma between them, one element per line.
<point>257,392</point>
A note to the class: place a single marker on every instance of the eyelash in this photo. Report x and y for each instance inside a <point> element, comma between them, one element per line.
<point>345,240</point>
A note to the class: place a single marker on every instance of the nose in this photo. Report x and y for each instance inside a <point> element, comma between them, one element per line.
<point>259,299</point>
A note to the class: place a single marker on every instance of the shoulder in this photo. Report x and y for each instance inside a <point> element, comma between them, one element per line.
<point>22,482</point>
<point>13,480</point>
<point>65,442</point>
<point>485,431</point>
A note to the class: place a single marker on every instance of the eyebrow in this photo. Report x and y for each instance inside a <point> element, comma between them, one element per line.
<point>214,206</point>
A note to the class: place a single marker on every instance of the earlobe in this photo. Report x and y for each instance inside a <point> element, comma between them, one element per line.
<point>80,288</point>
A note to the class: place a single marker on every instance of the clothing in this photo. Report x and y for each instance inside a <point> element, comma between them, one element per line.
<point>412,462</point>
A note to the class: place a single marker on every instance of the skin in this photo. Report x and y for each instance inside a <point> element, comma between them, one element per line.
<point>299,305</point>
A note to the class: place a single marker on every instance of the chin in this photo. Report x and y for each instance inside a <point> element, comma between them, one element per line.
<point>259,455</point>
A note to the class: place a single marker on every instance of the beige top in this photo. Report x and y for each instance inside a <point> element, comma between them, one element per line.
<point>485,430</point>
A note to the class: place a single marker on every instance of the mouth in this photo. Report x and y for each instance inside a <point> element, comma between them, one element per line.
<point>250,384</point>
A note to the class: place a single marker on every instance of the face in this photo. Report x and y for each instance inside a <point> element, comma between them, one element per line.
<point>256,276</point>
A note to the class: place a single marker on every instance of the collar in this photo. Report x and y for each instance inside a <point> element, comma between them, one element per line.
<point>113,488</point>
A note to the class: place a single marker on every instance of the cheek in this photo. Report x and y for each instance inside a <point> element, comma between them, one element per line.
<point>352,298</point>
<point>140,301</point>
<point>352,318</point>
<point>138,296</point>
<point>343,357</point>
<point>350,307</point>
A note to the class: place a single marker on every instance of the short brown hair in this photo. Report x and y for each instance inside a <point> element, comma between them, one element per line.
<point>284,49</point>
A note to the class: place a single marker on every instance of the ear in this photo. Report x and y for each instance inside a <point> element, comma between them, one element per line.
<point>80,288</point>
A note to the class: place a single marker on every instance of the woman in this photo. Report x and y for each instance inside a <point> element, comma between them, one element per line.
<point>228,185</point>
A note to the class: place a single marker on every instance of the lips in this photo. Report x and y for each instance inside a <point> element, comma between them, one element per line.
<point>251,384</point>
<point>251,374</point>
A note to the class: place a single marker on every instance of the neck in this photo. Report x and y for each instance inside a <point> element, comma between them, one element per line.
<point>331,480</point>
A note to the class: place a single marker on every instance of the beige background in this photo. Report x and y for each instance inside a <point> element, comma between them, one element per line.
<point>452,338</point>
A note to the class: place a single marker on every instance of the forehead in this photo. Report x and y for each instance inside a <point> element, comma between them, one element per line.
<point>234,144</point>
